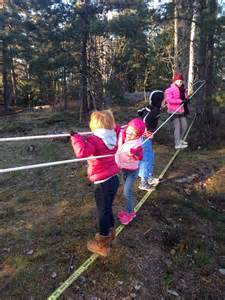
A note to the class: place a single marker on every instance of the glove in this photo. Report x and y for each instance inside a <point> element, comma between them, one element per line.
<point>136,153</point>
<point>148,134</point>
<point>186,101</point>
<point>72,133</point>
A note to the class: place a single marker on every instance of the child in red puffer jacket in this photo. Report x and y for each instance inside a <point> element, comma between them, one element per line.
<point>102,172</point>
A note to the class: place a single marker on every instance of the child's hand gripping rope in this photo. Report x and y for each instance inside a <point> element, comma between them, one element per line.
<point>72,133</point>
<point>186,101</point>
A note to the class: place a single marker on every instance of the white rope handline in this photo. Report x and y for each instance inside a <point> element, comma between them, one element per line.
<point>66,161</point>
<point>60,135</point>
<point>199,81</point>
<point>36,137</point>
<point>52,163</point>
<point>85,158</point>
<point>46,136</point>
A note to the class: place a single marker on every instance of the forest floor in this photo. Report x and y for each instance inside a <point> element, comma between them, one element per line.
<point>174,249</point>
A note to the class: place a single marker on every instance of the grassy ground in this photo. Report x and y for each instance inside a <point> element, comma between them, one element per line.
<point>175,246</point>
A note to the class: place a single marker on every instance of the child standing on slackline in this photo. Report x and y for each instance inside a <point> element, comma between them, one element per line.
<point>150,115</point>
<point>174,98</point>
<point>128,156</point>
<point>102,172</point>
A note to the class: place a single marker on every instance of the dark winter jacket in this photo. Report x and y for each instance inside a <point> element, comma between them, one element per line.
<point>183,97</point>
<point>150,115</point>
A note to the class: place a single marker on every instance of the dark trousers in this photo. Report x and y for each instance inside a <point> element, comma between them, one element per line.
<point>105,193</point>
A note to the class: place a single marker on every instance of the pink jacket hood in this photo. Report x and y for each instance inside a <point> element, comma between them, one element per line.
<point>139,126</point>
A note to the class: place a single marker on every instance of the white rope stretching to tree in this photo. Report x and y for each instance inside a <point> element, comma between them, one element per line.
<point>90,157</point>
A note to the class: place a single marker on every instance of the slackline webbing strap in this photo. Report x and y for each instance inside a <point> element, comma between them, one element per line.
<point>93,257</point>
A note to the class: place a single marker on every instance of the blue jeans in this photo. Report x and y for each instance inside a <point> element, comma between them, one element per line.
<point>105,193</point>
<point>129,177</point>
<point>146,164</point>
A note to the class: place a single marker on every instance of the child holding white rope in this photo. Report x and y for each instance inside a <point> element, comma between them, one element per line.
<point>102,172</point>
<point>128,157</point>
<point>150,115</point>
<point>175,97</point>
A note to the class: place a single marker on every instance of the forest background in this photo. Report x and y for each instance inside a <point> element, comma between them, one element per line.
<point>61,59</point>
<point>85,55</point>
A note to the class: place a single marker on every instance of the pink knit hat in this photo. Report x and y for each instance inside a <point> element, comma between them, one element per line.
<point>139,126</point>
<point>177,76</point>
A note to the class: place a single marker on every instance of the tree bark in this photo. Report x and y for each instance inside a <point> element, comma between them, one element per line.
<point>192,48</point>
<point>83,54</point>
<point>6,88</point>
<point>200,102</point>
<point>175,36</point>
<point>212,4</point>
<point>65,94</point>
<point>206,121</point>
<point>182,14</point>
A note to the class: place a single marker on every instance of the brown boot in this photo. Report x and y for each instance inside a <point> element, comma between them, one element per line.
<point>112,235</point>
<point>100,245</point>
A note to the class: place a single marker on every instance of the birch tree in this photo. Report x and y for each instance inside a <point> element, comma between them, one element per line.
<point>191,71</point>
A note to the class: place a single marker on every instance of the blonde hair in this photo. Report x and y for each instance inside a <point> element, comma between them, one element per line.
<point>102,119</point>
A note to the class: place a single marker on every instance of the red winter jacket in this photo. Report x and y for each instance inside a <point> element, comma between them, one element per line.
<point>99,168</point>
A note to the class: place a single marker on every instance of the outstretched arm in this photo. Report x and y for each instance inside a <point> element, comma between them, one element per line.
<point>82,148</point>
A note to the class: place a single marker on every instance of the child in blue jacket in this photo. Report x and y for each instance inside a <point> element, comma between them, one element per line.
<point>150,115</point>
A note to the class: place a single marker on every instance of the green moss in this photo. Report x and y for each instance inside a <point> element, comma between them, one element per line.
<point>169,278</point>
<point>202,258</point>
<point>19,262</point>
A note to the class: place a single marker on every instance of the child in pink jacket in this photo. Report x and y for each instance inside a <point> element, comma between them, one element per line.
<point>128,157</point>
<point>102,172</point>
<point>173,97</point>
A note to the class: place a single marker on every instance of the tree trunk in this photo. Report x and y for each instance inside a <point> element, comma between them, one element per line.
<point>83,77</point>
<point>175,36</point>
<point>65,94</point>
<point>182,15</point>
<point>206,51</point>
<point>205,70</point>
<point>212,4</point>
<point>14,84</point>
<point>192,48</point>
<point>83,53</point>
<point>5,81</point>
<point>6,91</point>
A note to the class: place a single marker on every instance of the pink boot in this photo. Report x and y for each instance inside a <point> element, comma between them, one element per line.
<point>126,218</point>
